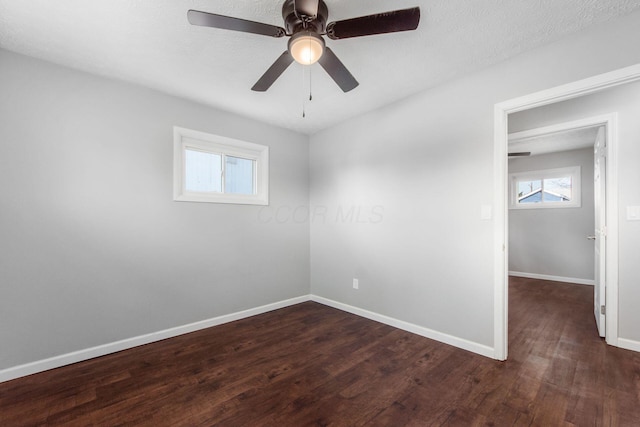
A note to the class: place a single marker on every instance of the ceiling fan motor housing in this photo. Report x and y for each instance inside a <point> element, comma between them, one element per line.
<point>294,23</point>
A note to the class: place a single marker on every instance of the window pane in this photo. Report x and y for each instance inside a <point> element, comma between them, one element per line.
<point>557,189</point>
<point>203,172</point>
<point>239,175</point>
<point>530,191</point>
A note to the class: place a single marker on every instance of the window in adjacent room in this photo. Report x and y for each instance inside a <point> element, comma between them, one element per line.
<point>550,188</point>
<point>210,168</point>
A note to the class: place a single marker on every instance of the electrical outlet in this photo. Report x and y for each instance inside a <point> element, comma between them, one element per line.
<point>356,284</point>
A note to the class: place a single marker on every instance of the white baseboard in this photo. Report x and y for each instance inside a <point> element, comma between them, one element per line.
<point>629,344</point>
<point>552,278</point>
<point>410,327</point>
<point>102,350</point>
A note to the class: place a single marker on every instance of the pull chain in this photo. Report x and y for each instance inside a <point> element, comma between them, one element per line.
<point>303,102</point>
<point>310,92</point>
<point>310,96</point>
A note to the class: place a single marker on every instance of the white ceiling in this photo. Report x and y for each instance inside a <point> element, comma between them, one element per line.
<point>572,139</point>
<point>150,42</point>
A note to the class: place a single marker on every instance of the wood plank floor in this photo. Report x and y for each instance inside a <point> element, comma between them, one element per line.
<point>313,365</point>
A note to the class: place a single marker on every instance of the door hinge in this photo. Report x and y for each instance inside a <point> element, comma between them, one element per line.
<point>603,310</point>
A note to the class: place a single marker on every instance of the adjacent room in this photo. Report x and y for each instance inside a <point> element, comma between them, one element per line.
<point>303,212</point>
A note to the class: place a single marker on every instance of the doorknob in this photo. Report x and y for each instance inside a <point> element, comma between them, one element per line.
<point>591,237</point>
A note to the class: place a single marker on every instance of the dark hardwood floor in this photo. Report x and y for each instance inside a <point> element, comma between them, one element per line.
<point>313,365</point>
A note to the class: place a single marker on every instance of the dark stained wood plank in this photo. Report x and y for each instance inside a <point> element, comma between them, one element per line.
<point>311,365</point>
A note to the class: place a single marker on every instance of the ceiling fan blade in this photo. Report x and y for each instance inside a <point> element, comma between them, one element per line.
<point>338,72</point>
<point>206,19</point>
<point>381,23</point>
<point>307,8</point>
<point>272,74</point>
<point>520,154</point>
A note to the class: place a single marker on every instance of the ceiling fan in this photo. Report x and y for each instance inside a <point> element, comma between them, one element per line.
<point>305,21</point>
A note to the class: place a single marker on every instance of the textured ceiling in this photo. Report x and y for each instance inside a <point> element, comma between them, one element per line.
<point>150,42</point>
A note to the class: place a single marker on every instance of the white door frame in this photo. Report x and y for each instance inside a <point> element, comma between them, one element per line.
<point>538,99</point>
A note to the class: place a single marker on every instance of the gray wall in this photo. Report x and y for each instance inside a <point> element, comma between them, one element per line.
<point>428,161</point>
<point>624,100</point>
<point>553,241</point>
<point>93,248</point>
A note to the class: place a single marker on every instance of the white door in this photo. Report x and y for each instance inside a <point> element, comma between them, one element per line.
<point>599,189</point>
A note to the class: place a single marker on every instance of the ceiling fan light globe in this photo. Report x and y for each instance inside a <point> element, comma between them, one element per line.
<point>306,48</point>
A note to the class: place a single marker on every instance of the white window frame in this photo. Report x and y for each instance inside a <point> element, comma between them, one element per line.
<point>576,192</point>
<point>184,139</point>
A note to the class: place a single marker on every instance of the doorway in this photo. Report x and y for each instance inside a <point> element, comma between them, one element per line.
<point>502,111</point>
<point>557,194</point>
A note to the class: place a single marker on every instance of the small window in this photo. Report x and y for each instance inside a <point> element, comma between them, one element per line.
<point>210,168</point>
<point>551,188</point>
